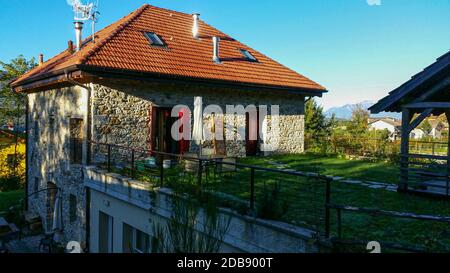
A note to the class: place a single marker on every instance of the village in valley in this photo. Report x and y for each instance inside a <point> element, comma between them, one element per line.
<point>159,133</point>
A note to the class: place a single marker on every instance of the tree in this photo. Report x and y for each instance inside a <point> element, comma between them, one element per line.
<point>317,126</point>
<point>13,104</point>
<point>360,121</point>
<point>12,108</point>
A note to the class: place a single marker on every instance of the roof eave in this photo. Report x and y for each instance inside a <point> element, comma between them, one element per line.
<point>55,77</point>
<point>123,73</point>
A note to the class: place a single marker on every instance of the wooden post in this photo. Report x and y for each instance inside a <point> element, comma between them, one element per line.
<point>404,151</point>
<point>447,182</point>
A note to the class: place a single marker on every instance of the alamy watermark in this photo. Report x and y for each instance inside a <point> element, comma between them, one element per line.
<point>233,124</point>
<point>374,2</point>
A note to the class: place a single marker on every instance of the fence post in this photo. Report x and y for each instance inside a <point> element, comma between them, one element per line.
<point>109,157</point>
<point>327,208</point>
<point>339,218</point>
<point>161,170</point>
<point>252,188</point>
<point>133,167</point>
<point>200,171</point>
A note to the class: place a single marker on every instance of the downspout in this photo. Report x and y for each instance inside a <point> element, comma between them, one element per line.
<point>89,137</point>
<point>26,152</point>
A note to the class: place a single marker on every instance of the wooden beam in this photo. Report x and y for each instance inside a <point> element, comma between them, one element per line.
<point>436,88</point>
<point>404,161</point>
<point>419,119</point>
<point>411,85</point>
<point>421,105</point>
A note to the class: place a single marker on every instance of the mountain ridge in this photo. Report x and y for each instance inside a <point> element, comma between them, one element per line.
<point>345,111</point>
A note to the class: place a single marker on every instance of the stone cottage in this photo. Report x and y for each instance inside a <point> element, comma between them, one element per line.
<point>120,87</point>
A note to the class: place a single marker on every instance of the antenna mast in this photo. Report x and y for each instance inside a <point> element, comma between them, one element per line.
<point>85,12</point>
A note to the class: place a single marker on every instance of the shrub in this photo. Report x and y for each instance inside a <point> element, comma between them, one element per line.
<point>12,167</point>
<point>11,183</point>
<point>271,206</point>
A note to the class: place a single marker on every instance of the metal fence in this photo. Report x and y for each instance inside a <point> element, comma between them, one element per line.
<point>398,222</point>
<point>349,221</point>
<point>427,174</point>
<point>271,194</point>
<point>372,147</point>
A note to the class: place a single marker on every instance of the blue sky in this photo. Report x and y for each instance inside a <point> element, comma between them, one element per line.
<point>358,51</point>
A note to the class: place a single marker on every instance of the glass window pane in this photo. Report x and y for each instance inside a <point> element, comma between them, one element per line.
<point>154,39</point>
<point>127,239</point>
<point>142,242</point>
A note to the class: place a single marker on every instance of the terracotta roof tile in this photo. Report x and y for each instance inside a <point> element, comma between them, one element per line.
<point>122,45</point>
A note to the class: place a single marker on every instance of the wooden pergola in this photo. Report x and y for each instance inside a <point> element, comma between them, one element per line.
<point>427,93</point>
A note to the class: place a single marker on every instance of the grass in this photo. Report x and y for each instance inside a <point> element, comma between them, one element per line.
<point>8,199</point>
<point>301,200</point>
<point>333,165</point>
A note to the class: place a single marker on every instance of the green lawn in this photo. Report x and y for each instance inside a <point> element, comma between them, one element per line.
<point>301,200</point>
<point>333,165</point>
<point>8,199</point>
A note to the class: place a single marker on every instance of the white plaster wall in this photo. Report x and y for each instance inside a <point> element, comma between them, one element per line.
<point>136,204</point>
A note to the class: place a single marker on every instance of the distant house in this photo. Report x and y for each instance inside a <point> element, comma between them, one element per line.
<point>437,127</point>
<point>390,124</point>
<point>417,134</point>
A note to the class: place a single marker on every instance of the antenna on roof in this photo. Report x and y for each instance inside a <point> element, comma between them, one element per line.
<point>85,12</point>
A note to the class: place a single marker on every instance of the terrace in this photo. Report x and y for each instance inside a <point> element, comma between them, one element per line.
<point>348,215</point>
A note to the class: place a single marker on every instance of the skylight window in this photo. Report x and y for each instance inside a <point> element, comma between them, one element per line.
<point>248,55</point>
<point>154,39</point>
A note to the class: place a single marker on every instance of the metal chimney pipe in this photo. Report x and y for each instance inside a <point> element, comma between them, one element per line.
<point>78,34</point>
<point>195,30</point>
<point>216,47</point>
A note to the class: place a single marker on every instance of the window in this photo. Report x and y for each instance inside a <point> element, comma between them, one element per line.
<point>248,55</point>
<point>154,39</point>
<point>134,240</point>
<point>36,130</point>
<point>36,187</point>
<point>72,208</point>
<point>105,232</point>
<point>52,124</point>
<point>76,141</point>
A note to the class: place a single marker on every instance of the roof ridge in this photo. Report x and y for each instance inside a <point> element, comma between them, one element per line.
<point>133,16</point>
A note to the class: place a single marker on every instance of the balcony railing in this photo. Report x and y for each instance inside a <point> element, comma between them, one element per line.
<point>272,194</point>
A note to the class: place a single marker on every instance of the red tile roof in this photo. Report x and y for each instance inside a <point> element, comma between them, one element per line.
<point>123,46</point>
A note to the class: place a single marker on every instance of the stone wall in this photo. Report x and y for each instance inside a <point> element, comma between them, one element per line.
<point>49,152</point>
<point>122,113</point>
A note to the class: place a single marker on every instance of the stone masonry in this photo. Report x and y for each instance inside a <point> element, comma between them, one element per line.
<point>119,112</point>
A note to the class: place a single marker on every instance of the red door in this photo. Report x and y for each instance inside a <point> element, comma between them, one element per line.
<point>252,134</point>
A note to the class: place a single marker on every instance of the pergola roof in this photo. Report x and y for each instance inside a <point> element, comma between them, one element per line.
<point>432,83</point>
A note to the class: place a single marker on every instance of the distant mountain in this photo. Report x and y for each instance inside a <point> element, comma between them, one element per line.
<point>345,111</point>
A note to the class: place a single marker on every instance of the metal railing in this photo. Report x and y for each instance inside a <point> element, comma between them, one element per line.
<point>425,173</point>
<point>273,194</point>
<point>430,222</point>
<point>372,147</point>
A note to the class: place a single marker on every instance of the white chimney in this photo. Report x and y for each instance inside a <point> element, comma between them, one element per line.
<point>195,31</point>
<point>216,41</point>
<point>78,34</point>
